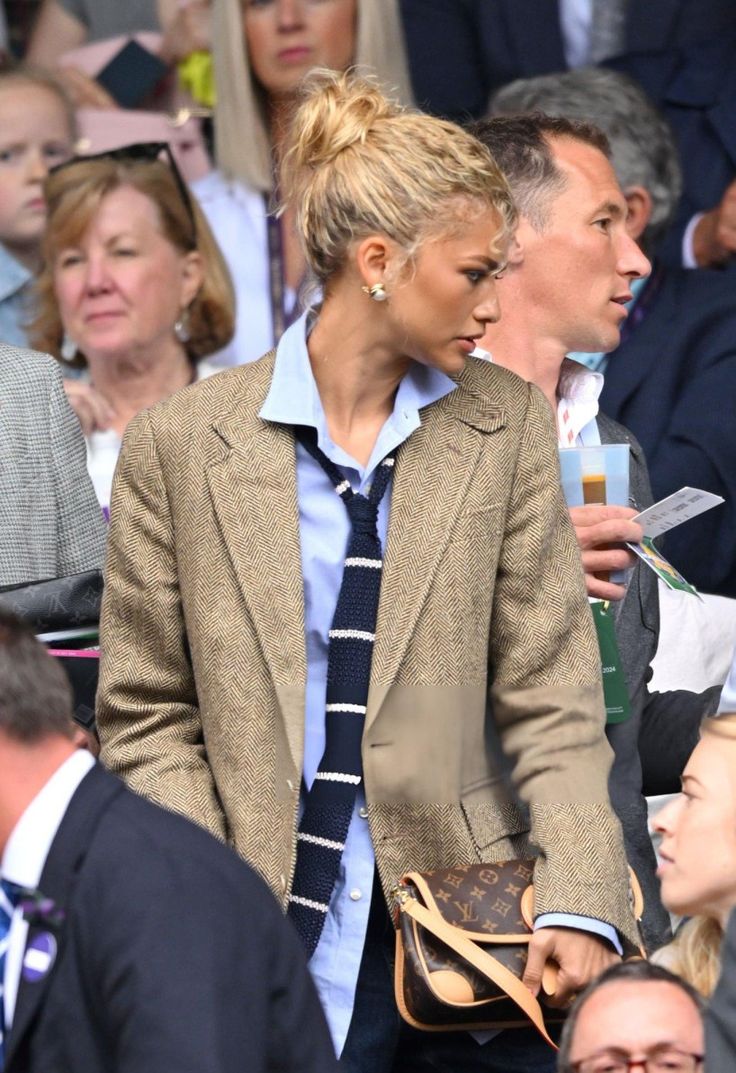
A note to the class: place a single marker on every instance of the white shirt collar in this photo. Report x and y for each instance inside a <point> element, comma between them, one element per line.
<point>578,391</point>
<point>30,840</point>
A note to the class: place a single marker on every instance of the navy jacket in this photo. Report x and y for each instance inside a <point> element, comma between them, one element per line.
<point>673,383</point>
<point>461,51</point>
<point>695,87</point>
<point>173,957</point>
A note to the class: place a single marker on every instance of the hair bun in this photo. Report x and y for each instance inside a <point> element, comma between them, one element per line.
<point>337,110</point>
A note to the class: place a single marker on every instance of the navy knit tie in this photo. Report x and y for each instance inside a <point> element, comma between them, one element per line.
<point>329,804</point>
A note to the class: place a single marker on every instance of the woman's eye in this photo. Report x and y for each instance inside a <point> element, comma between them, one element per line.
<point>475,275</point>
<point>69,259</point>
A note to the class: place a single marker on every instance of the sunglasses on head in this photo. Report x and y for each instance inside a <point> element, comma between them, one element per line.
<point>147,153</point>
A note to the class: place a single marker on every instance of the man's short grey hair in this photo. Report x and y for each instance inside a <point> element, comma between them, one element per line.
<point>643,152</point>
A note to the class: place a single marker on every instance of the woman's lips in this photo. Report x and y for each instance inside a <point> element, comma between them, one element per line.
<point>294,55</point>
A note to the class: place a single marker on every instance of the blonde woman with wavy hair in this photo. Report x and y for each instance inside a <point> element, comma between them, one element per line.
<point>262,49</point>
<point>335,554</point>
<point>698,855</point>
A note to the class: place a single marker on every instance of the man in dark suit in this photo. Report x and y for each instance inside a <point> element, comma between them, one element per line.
<point>461,51</point>
<point>694,84</point>
<point>720,1021</point>
<point>672,379</point>
<point>572,269</point>
<point>131,941</point>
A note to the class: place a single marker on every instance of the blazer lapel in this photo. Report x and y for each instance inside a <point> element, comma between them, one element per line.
<point>65,858</point>
<point>637,358</point>
<point>434,468</point>
<point>253,488</point>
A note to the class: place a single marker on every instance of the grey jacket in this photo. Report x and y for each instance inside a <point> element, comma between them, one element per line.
<point>676,714</point>
<point>50,522</point>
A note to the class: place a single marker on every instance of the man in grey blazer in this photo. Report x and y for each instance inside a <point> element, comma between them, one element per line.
<point>565,292</point>
<point>50,522</point>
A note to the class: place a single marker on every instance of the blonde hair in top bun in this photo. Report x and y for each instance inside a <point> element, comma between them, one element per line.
<point>357,163</point>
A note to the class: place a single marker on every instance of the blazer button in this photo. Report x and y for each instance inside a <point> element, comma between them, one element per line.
<point>363,812</point>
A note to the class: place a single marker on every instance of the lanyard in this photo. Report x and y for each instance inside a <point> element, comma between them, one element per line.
<point>281,317</point>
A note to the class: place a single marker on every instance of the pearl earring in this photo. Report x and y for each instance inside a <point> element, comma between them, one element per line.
<point>181,327</point>
<point>68,351</point>
<point>377,292</point>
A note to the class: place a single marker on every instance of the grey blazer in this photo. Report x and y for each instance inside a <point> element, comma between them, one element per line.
<point>676,715</point>
<point>50,522</point>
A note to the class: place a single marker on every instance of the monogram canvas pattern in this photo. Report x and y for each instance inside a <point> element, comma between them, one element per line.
<point>59,603</point>
<point>203,641</point>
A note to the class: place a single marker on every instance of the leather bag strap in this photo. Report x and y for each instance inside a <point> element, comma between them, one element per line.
<point>482,961</point>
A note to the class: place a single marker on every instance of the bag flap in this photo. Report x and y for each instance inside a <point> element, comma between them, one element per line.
<point>484,901</point>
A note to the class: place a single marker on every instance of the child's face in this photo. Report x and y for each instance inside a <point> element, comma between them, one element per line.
<point>34,136</point>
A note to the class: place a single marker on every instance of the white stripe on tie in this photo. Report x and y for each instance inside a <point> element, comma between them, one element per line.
<point>343,487</point>
<point>358,709</point>
<point>387,462</point>
<point>316,840</point>
<point>308,903</point>
<point>375,564</point>
<point>353,635</point>
<point>337,776</point>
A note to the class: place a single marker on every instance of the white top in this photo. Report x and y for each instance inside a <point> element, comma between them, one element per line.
<point>103,449</point>
<point>237,216</point>
<point>25,856</point>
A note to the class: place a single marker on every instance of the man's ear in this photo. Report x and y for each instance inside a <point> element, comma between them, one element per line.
<point>639,210</point>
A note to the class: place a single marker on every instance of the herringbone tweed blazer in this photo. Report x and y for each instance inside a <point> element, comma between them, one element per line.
<point>50,522</point>
<point>484,641</point>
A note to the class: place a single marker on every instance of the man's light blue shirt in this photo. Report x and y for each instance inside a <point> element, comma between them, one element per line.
<point>324,530</point>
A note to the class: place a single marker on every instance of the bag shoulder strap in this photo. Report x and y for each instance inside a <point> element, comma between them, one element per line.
<point>487,965</point>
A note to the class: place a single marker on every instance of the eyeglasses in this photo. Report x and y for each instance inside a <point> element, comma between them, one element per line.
<point>669,1060</point>
<point>143,152</point>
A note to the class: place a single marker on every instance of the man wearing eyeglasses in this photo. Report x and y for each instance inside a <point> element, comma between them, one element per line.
<point>635,1018</point>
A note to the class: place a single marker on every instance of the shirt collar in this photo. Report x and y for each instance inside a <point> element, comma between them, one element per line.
<point>30,840</point>
<point>13,275</point>
<point>578,391</point>
<point>293,398</point>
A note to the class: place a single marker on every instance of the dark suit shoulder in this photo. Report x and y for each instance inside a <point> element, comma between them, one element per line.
<point>614,432</point>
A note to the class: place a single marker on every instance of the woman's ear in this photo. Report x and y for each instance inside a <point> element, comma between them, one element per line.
<point>373,258</point>
<point>639,210</point>
<point>192,277</point>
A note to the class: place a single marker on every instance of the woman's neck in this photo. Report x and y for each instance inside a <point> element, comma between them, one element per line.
<point>357,374</point>
<point>131,382</point>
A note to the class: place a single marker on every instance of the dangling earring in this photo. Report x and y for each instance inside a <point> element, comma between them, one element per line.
<point>377,292</point>
<point>181,327</point>
<point>68,351</point>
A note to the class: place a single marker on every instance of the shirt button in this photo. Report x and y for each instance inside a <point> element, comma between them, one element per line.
<point>355,894</point>
<point>363,812</point>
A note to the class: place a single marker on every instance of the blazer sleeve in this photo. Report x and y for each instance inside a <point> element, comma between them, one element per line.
<point>547,696</point>
<point>81,529</point>
<point>148,716</point>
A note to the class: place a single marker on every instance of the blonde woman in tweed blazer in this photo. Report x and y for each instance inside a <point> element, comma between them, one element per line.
<point>50,521</point>
<point>484,641</point>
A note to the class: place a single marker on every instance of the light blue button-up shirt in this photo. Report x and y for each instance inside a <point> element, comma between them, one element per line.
<point>324,530</point>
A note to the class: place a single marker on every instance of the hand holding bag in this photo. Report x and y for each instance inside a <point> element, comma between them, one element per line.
<point>461,948</point>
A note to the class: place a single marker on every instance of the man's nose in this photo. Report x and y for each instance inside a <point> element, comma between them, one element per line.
<point>632,261</point>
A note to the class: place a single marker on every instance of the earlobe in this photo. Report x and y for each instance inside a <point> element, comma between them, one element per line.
<point>373,256</point>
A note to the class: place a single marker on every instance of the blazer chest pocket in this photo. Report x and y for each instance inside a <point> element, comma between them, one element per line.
<point>474,549</point>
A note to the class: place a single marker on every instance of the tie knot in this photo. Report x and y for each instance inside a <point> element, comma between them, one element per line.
<point>363,515</point>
